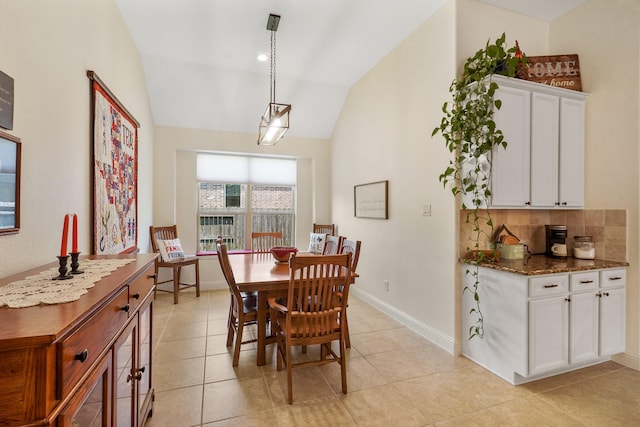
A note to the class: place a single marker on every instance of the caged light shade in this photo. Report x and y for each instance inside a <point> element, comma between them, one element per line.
<point>274,123</point>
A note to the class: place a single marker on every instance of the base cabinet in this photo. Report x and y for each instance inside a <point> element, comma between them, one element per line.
<point>536,326</point>
<point>82,363</point>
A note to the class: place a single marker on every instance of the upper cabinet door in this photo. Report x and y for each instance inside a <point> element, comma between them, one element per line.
<point>572,122</point>
<point>544,149</point>
<point>510,166</point>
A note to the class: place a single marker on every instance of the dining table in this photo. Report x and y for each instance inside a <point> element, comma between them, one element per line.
<point>262,274</point>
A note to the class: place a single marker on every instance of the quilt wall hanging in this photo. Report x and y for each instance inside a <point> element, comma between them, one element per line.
<point>115,172</point>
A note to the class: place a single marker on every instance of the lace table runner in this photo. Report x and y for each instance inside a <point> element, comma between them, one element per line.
<point>40,289</point>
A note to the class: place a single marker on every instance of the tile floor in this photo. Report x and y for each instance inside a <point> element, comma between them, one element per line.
<point>395,377</point>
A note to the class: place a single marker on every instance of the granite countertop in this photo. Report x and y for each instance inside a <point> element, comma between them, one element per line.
<point>535,265</point>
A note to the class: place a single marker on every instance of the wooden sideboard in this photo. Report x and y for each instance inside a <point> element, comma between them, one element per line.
<point>86,362</point>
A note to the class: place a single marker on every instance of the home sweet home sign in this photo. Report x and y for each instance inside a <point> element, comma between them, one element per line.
<point>556,70</point>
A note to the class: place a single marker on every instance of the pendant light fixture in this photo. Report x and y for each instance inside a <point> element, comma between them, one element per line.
<point>275,120</point>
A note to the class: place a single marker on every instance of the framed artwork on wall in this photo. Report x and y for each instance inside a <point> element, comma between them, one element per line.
<point>114,133</point>
<point>10,152</point>
<point>371,200</point>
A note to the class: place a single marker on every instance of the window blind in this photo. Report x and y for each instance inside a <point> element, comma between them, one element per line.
<point>245,169</point>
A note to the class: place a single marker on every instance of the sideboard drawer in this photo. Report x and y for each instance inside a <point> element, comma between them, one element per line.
<point>82,348</point>
<point>544,286</point>
<point>586,281</point>
<point>140,288</point>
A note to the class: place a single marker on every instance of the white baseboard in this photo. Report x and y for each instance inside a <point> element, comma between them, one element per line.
<point>438,338</point>
<point>628,359</point>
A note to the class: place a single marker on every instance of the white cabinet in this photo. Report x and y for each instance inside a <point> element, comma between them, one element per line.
<point>537,326</point>
<point>543,164</point>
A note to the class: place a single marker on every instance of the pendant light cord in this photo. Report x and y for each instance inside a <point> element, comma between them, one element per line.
<point>272,83</point>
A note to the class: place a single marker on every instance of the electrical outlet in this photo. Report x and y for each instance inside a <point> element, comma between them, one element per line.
<point>386,285</point>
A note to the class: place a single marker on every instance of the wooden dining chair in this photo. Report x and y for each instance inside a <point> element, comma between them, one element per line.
<point>332,245</point>
<point>243,308</point>
<point>311,314</point>
<point>264,241</point>
<point>352,247</point>
<point>329,229</point>
<point>158,237</point>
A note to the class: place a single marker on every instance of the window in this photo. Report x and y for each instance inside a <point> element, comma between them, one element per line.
<point>264,202</point>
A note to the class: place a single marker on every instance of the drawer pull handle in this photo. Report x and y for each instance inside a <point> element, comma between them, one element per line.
<point>83,356</point>
<point>615,278</point>
<point>584,282</point>
<point>550,286</point>
<point>125,308</point>
<point>136,295</point>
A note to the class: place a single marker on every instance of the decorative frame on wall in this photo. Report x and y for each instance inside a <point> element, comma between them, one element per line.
<point>371,200</point>
<point>10,159</point>
<point>114,133</point>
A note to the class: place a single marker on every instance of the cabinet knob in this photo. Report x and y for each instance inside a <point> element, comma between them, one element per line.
<point>606,294</point>
<point>568,299</point>
<point>136,295</point>
<point>152,276</point>
<point>125,308</point>
<point>83,356</point>
<point>564,203</point>
<point>137,377</point>
<point>527,203</point>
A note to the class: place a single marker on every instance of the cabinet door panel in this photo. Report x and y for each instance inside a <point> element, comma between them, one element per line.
<point>612,321</point>
<point>572,118</point>
<point>510,166</point>
<point>544,149</point>
<point>584,326</point>
<point>548,334</point>
<point>125,354</point>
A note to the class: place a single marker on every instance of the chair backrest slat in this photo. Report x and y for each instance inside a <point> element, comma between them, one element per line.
<point>168,232</point>
<point>329,229</point>
<point>264,241</point>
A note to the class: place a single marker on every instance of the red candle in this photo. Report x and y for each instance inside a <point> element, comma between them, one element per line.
<point>74,245</point>
<point>65,236</point>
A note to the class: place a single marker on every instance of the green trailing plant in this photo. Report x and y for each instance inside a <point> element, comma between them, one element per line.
<point>470,134</point>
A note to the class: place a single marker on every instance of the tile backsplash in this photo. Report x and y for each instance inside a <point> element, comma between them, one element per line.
<point>608,227</point>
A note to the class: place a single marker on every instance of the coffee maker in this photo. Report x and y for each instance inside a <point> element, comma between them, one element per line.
<point>556,245</point>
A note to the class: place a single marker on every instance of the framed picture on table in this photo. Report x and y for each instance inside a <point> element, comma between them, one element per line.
<point>10,152</point>
<point>114,133</point>
<point>371,200</point>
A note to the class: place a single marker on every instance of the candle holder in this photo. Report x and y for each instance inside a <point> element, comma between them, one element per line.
<point>75,264</point>
<point>62,269</point>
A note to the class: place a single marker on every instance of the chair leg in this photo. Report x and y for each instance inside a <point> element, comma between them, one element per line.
<point>231,325</point>
<point>343,366</point>
<point>345,325</point>
<point>236,350</point>
<point>176,284</point>
<point>289,373</point>
<point>197,265</point>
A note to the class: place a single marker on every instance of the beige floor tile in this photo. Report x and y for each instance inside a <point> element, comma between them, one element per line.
<point>177,408</point>
<point>329,411</point>
<point>360,375</point>
<point>180,330</point>
<point>572,377</point>
<point>371,322</point>
<point>258,419</point>
<point>178,373</point>
<point>234,398</point>
<point>453,393</point>
<point>385,340</point>
<point>382,406</point>
<point>182,349</point>
<point>308,384</point>
<point>220,367</point>
<point>613,399</point>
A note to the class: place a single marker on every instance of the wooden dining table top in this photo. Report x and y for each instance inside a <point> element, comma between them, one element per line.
<point>259,271</point>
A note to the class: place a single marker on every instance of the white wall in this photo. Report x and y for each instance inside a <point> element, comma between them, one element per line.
<point>384,133</point>
<point>175,183</point>
<point>47,47</point>
<point>606,36</point>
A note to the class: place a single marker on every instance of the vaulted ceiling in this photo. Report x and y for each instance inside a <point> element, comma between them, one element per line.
<point>200,56</point>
